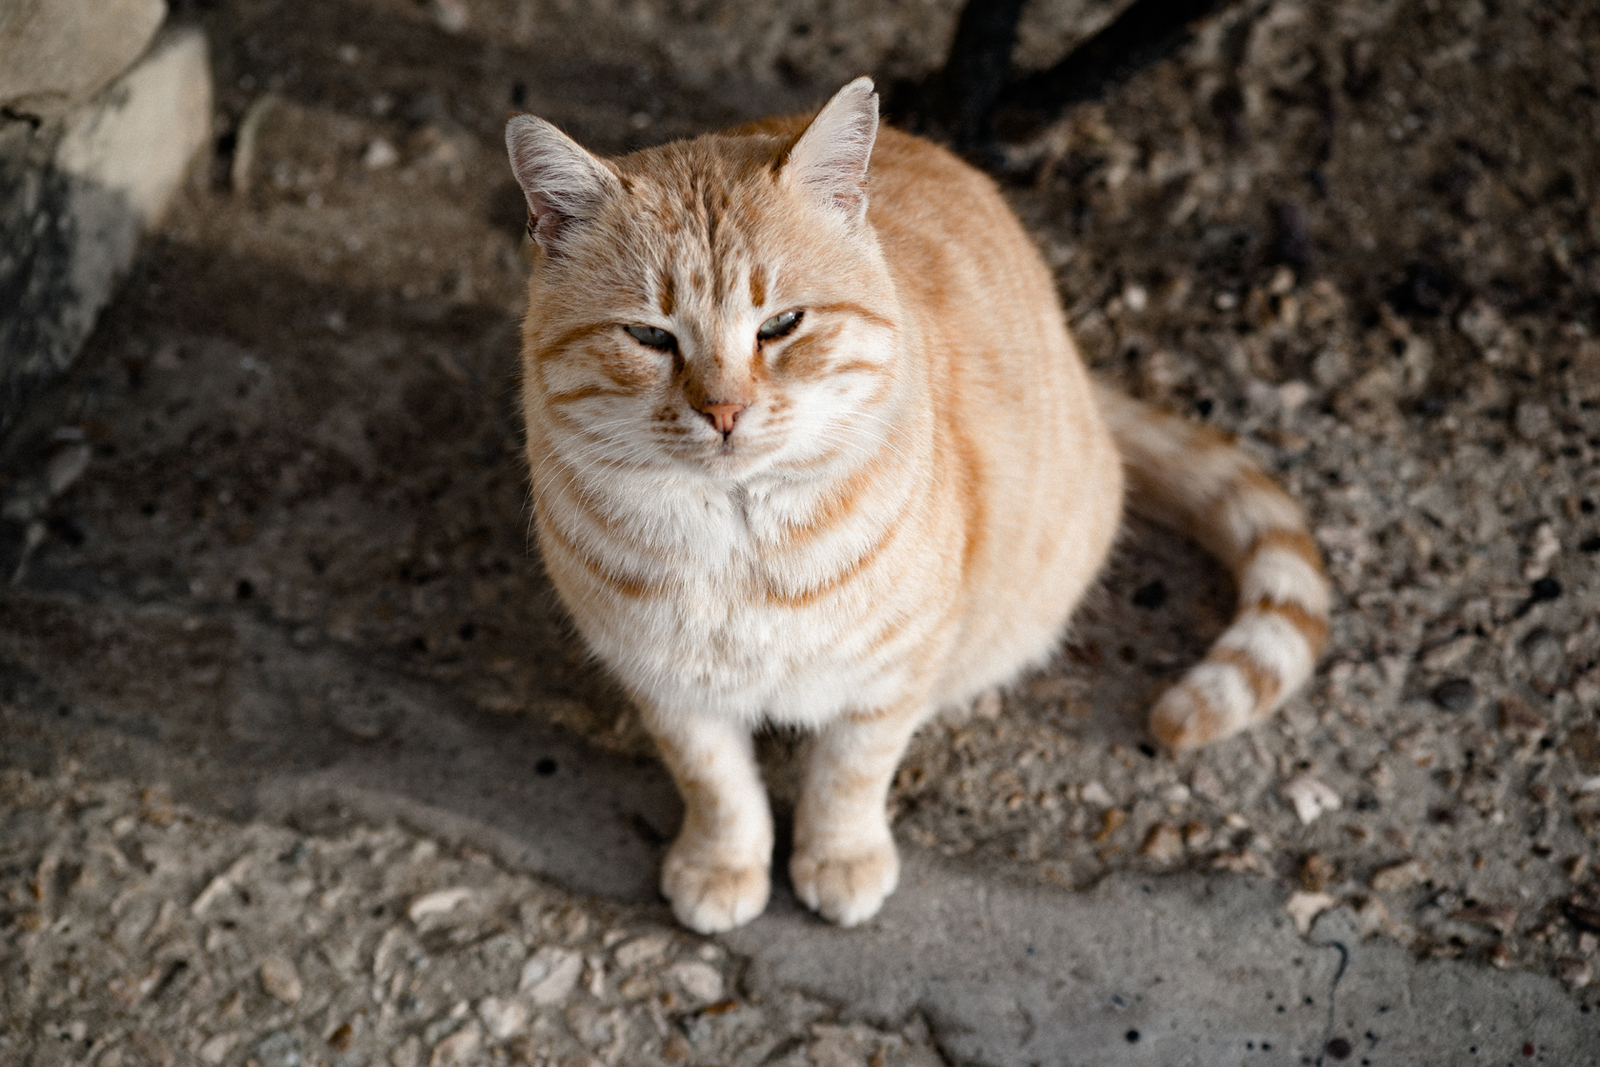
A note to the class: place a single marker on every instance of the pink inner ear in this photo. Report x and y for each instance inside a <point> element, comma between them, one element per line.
<point>831,157</point>
<point>560,179</point>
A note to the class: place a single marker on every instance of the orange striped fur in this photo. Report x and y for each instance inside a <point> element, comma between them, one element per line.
<point>845,518</point>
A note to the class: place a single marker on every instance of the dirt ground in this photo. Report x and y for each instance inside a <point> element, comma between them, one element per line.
<point>1360,234</point>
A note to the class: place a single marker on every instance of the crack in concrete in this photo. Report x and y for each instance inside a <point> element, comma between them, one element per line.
<point>1333,995</point>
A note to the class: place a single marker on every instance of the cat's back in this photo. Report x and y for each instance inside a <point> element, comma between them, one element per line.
<point>1022,443</point>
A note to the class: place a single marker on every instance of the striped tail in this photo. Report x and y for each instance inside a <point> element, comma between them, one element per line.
<point>1194,479</point>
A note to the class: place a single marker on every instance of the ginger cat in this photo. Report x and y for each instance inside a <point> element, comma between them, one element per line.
<point>811,445</point>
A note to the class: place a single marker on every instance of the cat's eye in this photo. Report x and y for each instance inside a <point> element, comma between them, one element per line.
<point>780,325</point>
<point>653,337</point>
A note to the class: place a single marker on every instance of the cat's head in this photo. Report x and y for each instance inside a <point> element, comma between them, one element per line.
<point>719,305</point>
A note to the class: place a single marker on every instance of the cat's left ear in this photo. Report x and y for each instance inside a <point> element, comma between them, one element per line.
<point>562,181</point>
<point>830,158</point>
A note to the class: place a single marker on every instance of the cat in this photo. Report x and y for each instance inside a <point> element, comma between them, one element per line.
<point>810,445</point>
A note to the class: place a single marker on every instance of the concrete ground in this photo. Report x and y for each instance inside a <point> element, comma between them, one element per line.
<point>302,765</point>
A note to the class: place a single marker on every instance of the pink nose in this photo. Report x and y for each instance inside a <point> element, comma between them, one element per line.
<point>722,415</point>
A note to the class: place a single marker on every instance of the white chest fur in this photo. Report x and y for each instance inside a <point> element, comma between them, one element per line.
<point>716,616</point>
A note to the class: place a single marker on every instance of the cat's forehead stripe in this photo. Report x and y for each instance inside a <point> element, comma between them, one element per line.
<point>666,293</point>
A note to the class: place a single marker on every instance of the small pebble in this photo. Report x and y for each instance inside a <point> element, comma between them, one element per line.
<point>280,979</point>
<point>1517,717</point>
<point>700,980</point>
<point>380,154</point>
<point>502,1018</point>
<point>1164,843</point>
<point>1316,872</point>
<point>1575,971</point>
<point>1399,876</point>
<point>1304,907</point>
<point>1533,421</point>
<point>216,1048</point>
<point>1110,823</point>
<point>1097,794</point>
<point>1196,835</point>
<point>641,949</point>
<point>1455,694</point>
<point>459,1048</point>
<point>278,1049</point>
<point>550,975</point>
<point>436,903</point>
<point>1207,785</point>
<point>1310,797</point>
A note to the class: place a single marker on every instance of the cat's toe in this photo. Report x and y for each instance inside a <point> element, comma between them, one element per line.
<point>709,898</point>
<point>845,888</point>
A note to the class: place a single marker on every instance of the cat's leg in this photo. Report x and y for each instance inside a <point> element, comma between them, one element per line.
<point>844,862</point>
<point>716,872</point>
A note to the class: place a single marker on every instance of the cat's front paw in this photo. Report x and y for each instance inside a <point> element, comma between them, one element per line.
<point>709,896</point>
<point>846,886</point>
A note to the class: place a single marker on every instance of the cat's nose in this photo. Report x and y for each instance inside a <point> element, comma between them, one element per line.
<point>721,415</point>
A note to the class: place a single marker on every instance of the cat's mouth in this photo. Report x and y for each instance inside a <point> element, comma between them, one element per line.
<point>734,454</point>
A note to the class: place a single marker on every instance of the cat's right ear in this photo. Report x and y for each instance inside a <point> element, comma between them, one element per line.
<point>562,181</point>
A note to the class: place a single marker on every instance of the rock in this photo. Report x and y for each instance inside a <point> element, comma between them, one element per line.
<point>247,141</point>
<point>1164,843</point>
<point>138,141</point>
<point>1373,919</point>
<point>1544,547</point>
<point>459,1048</point>
<point>1316,872</point>
<point>65,468</point>
<point>1399,876</point>
<point>1533,421</point>
<point>55,54</point>
<point>502,1018</point>
<point>1449,654</point>
<point>1303,907</point>
<point>1516,716</point>
<point>1207,785</point>
<point>550,975</point>
<point>437,902</point>
<point>380,154</point>
<point>451,16</point>
<point>278,1049</point>
<point>701,981</point>
<point>640,949</point>
<point>217,1047</point>
<point>280,979</point>
<point>1310,797</point>
<point>1575,971</point>
<point>1097,794</point>
<point>1174,793</point>
<point>77,194</point>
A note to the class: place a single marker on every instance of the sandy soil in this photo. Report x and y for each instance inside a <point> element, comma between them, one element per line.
<point>1359,234</point>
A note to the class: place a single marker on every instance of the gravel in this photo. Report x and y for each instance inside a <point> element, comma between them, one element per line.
<point>119,948</point>
<point>1362,236</point>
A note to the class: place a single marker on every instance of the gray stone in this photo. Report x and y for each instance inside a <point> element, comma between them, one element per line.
<point>75,197</point>
<point>55,54</point>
